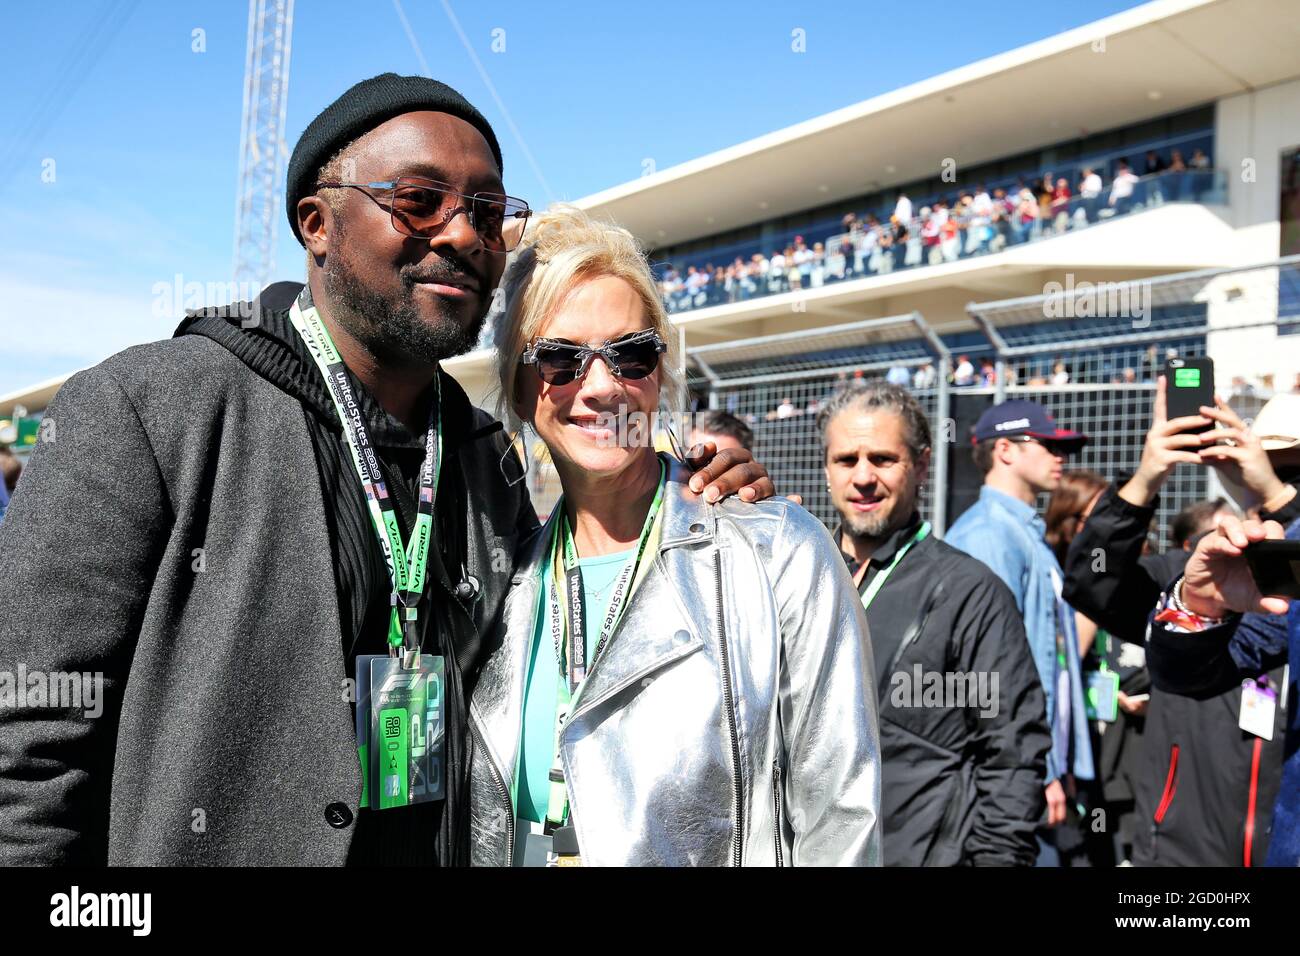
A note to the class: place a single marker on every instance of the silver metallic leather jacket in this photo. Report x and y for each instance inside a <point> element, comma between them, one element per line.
<point>731,718</point>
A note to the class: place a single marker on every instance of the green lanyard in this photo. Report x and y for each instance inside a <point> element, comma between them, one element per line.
<point>568,631</point>
<point>879,580</point>
<point>406,564</point>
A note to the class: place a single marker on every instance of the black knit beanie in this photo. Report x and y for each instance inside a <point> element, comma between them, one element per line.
<point>359,110</point>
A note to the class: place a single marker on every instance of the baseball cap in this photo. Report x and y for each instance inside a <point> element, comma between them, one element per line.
<point>1022,417</point>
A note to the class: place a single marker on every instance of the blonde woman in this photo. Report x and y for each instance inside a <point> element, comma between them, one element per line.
<point>676,683</point>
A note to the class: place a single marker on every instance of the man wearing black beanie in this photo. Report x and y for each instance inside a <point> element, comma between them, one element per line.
<point>214,538</point>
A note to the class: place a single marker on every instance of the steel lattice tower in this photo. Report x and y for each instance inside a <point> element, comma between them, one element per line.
<point>262,150</point>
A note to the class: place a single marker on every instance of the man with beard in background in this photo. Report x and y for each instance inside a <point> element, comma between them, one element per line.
<point>963,735</point>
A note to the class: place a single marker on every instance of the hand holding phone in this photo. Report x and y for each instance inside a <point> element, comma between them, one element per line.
<point>1189,385</point>
<point>1275,566</point>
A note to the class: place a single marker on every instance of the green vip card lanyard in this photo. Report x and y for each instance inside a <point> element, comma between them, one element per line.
<point>1101,702</point>
<point>569,630</point>
<point>398,687</point>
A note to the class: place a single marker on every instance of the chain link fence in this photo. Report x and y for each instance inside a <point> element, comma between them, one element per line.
<point>777,384</point>
<point>1088,352</point>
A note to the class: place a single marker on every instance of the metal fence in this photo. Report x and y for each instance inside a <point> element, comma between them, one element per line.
<point>1089,353</point>
<point>777,383</point>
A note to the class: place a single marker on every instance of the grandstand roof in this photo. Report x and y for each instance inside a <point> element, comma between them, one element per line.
<point>1155,59</point>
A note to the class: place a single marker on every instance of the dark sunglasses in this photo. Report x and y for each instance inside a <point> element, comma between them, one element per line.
<point>422,208</point>
<point>1054,448</point>
<point>560,362</point>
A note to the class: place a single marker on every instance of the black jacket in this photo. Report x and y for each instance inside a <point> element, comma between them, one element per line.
<point>227,732</point>
<point>959,784</point>
<point>1193,796</point>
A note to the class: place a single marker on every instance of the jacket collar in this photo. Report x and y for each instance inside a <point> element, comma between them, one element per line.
<point>271,347</point>
<point>686,517</point>
<point>641,644</point>
<point>1023,513</point>
<point>885,553</point>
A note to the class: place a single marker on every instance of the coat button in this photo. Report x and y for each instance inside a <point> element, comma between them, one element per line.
<point>338,815</point>
<point>697,528</point>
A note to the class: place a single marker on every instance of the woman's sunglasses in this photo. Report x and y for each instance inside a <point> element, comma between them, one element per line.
<point>560,361</point>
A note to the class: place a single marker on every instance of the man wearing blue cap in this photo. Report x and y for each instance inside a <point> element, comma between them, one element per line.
<point>1020,450</point>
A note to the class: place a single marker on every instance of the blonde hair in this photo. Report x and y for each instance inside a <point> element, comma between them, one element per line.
<point>563,249</point>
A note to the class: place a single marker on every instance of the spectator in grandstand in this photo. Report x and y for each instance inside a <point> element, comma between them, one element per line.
<point>225,449</point>
<point>988,373</point>
<point>723,429</point>
<point>1176,176</point>
<point>1003,212</point>
<point>1153,183</point>
<point>929,235</point>
<point>960,785</point>
<point>1025,218</point>
<point>1060,374</point>
<point>964,372</point>
<point>1090,192</point>
<point>1202,794</point>
<point>902,238</point>
<point>925,376</point>
<point>898,375</point>
<point>1045,192</point>
<point>1121,190</point>
<point>981,221</point>
<point>1020,450</point>
<point>818,264</point>
<point>903,209</point>
<point>802,259</point>
<point>786,409</point>
<point>1060,208</point>
<point>949,237</point>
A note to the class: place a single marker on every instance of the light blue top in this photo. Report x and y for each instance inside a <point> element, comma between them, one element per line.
<point>1008,535</point>
<point>538,752</point>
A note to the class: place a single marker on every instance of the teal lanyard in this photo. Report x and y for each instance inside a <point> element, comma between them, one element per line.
<point>878,581</point>
<point>406,563</point>
<point>568,631</point>
<point>572,652</point>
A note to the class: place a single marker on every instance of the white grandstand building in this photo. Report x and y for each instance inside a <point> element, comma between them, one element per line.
<point>1216,82</point>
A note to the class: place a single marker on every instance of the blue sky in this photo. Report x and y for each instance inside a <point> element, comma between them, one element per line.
<point>143,132</point>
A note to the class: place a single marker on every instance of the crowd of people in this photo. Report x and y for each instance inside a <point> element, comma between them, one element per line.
<point>1138,765</point>
<point>320,622</point>
<point>943,229</point>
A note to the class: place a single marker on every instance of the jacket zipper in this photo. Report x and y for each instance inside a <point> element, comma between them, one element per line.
<point>931,598</point>
<point>502,792</point>
<point>1171,784</point>
<point>738,829</point>
<point>776,798</point>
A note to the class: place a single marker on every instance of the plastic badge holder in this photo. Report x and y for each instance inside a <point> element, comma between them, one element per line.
<point>401,730</point>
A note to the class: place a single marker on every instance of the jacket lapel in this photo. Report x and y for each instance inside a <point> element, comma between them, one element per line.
<point>645,641</point>
<point>497,704</point>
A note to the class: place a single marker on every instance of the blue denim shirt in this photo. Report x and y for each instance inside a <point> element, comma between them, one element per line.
<point>1007,535</point>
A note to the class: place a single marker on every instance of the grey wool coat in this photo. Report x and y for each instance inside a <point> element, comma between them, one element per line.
<point>226,735</point>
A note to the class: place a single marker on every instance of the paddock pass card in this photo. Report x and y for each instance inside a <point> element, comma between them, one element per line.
<point>401,730</point>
